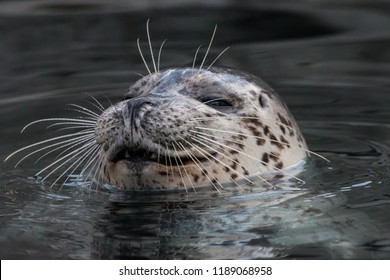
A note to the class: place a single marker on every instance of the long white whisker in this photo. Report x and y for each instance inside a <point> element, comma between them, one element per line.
<point>208,48</point>
<point>98,105</point>
<point>70,156</point>
<point>76,163</point>
<point>150,45</point>
<point>207,155</point>
<point>64,143</point>
<point>159,55</point>
<point>249,156</point>
<point>143,58</point>
<point>46,141</point>
<point>91,139</point>
<point>222,154</point>
<point>258,176</point>
<point>196,55</point>
<point>81,121</point>
<point>177,159</point>
<point>81,125</point>
<point>199,165</point>
<point>84,111</point>
<point>215,60</point>
<point>258,137</point>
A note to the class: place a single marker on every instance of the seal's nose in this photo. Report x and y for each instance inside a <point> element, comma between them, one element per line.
<point>134,105</point>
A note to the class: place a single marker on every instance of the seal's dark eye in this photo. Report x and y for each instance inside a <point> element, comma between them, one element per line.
<point>216,102</point>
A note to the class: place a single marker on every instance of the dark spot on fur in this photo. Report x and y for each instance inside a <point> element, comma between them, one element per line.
<point>233,152</point>
<point>226,169</point>
<point>279,165</point>
<point>162,173</point>
<point>282,129</point>
<point>233,165</point>
<point>195,177</point>
<point>274,156</point>
<point>262,101</point>
<point>284,140</point>
<point>234,176</point>
<point>266,130</point>
<point>265,158</point>
<point>275,142</point>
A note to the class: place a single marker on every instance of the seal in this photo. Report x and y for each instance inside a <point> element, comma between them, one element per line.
<point>181,128</point>
<point>186,127</point>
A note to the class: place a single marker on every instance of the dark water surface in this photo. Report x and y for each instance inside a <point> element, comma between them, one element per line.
<point>329,62</point>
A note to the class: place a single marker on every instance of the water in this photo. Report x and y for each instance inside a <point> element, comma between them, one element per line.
<point>331,65</point>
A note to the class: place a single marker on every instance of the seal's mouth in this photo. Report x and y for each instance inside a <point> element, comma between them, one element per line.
<point>145,156</point>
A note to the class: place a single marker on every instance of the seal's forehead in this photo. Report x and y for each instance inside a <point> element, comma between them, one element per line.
<point>193,78</point>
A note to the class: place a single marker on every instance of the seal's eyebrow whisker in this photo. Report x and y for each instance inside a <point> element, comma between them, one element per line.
<point>159,56</point>
<point>150,46</point>
<point>142,56</point>
<point>215,60</point>
<point>205,137</point>
<point>200,166</point>
<point>208,48</point>
<point>196,55</point>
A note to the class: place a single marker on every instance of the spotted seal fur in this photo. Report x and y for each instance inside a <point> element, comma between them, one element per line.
<point>181,128</point>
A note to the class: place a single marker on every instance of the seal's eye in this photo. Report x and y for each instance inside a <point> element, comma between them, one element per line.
<point>217,103</point>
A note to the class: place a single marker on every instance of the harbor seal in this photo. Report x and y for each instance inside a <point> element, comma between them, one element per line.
<point>185,127</point>
<point>181,128</point>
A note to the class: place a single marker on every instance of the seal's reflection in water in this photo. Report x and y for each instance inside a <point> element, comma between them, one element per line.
<point>284,223</point>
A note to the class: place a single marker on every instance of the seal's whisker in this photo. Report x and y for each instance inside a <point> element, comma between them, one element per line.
<point>91,160</point>
<point>204,152</point>
<point>79,121</point>
<point>65,159</point>
<point>74,165</point>
<point>47,141</point>
<point>97,104</point>
<point>150,46</point>
<point>169,160</point>
<point>208,48</point>
<point>177,160</point>
<point>249,156</point>
<point>96,167</point>
<point>196,55</point>
<point>142,56</point>
<point>71,127</point>
<point>78,124</point>
<point>200,166</point>
<point>84,110</point>
<point>75,144</point>
<point>63,145</point>
<point>185,170</point>
<point>213,180</point>
<point>159,56</point>
<point>70,156</point>
<point>257,175</point>
<point>215,60</point>
<point>226,156</point>
<point>262,138</point>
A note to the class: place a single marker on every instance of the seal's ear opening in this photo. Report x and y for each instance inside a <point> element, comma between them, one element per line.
<point>262,101</point>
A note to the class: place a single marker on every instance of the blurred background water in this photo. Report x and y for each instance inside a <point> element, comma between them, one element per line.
<point>328,59</point>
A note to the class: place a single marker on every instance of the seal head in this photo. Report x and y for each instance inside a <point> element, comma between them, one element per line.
<point>186,128</point>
